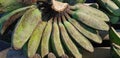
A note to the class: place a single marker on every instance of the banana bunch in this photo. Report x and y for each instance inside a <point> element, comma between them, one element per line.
<point>115,40</point>
<point>111,8</point>
<point>49,30</point>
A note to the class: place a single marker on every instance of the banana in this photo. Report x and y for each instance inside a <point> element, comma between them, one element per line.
<point>93,12</point>
<point>56,42</point>
<point>9,5</point>
<point>10,15</point>
<point>115,50</point>
<point>117,2</point>
<point>89,34</point>
<point>89,20</point>
<point>114,19</point>
<point>25,27</point>
<point>110,6</point>
<point>36,38</point>
<point>114,36</point>
<point>45,39</point>
<point>94,5</point>
<point>79,38</point>
<point>11,20</point>
<point>71,47</point>
<point>73,2</point>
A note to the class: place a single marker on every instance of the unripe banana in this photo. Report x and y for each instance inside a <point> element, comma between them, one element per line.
<point>25,27</point>
<point>85,30</point>
<point>110,6</point>
<point>117,2</point>
<point>36,38</point>
<point>56,42</point>
<point>9,5</point>
<point>93,12</point>
<point>79,38</point>
<point>9,18</point>
<point>69,45</point>
<point>89,20</point>
<point>114,36</point>
<point>45,39</point>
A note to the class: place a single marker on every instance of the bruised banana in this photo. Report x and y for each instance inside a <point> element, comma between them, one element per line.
<point>110,6</point>
<point>69,45</point>
<point>56,42</point>
<point>36,38</point>
<point>10,17</point>
<point>25,27</point>
<point>79,38</point>
<point>114,36</point>
<point>89,20</point>
<point>117,2</point>
<point>89,34</point>
<point>93,12</point>
<point>45,39</point>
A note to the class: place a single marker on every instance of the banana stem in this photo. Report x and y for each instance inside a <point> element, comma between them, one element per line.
<point>59,6</point>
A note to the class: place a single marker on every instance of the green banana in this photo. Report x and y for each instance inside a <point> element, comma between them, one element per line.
<point>89,20</point>
<point>79,38</point>
<point>71,47</point>
<point>117,2</point>
<point>114,36</point>
<point>25,27</point>
<point>73,2</point>
<point>11,20</point>
<point>36,38</point>
<point>45,39</point>
<point>89,34</point>
<point>115,50</point>
<point>9,5</point>
<point>56,42</point>
<point>10,15</point>
<point>94,5</point>
<point>110,6</point>
<point>93,12</point>
<point>114,19</point>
